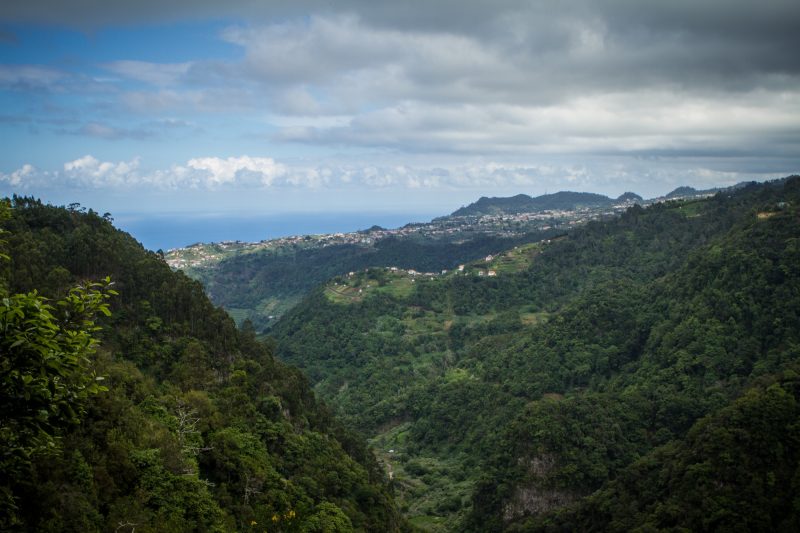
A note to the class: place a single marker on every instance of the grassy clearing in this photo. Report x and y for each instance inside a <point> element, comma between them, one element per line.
<point>354,288</point>
<point>398,286</point>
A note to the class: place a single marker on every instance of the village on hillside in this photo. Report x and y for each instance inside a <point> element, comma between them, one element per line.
<point>452,227</point>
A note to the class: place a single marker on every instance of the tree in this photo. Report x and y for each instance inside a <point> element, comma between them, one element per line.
<point>45,374</point>
<point>328,518</point>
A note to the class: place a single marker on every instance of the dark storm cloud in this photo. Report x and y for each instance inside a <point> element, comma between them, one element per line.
<point>578,45</point>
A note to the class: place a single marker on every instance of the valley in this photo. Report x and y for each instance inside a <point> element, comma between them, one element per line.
<point>576,353</point>
<point>399,267</point>
<point>575,375</point>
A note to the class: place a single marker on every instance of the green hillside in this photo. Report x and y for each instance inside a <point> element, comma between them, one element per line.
<point>175,421</point>
<point>604,361</point>
<point>265,284</point>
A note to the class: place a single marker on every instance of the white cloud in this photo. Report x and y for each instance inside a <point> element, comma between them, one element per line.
<point>19,177</point>
<point>357,65</point>
<point>203,173</point>
<point>244,170</point>
<point>89,171</point>
<point>614,123</point>
<point>249,175</point>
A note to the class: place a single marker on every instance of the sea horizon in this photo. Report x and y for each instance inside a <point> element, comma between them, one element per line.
<point>178,230</point>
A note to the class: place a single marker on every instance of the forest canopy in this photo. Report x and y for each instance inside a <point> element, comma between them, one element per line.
<point>132,403</point>
<point>601,362</point>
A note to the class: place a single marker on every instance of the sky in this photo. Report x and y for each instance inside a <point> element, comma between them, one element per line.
<point>416,106</point>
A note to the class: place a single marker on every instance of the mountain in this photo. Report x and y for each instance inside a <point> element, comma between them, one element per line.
<point>629,197</point>
<point>638,372</point>
<point>522,203</point>
<point>189,424</point>
<point>691,192</point>
<point>685,191</point>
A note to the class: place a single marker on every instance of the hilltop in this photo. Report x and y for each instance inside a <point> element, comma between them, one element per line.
<point>522,203</point>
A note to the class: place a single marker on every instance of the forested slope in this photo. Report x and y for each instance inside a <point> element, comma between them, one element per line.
<point>608,361</point>
<point>200,428</point>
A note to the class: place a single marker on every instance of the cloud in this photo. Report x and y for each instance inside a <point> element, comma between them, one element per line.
<point>29,77</point>
<point>100,130</point>
<point>20,177</point>
<point>528,54</point>
<point>356,65</point>
<point>553,87</point>
<point>656,122</point>
<point>203,173</point>
<point>359,55</point>
<point>450,16</point>
<point>605,77</point>
<point>243,170</point>
<point>158,74</point>
<point>250,175</point>
<point>88,171</point>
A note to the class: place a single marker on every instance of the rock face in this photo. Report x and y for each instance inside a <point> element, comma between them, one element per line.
<point>533,497</point>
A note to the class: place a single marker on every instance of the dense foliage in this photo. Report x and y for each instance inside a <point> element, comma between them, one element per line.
<point>639,373</point>
<point>45,378</point>
<point>196,427</point>
<point>736,470</point>
<point>610,364</point>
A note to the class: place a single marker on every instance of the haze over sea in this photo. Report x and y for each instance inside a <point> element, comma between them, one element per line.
<point>169,231</point>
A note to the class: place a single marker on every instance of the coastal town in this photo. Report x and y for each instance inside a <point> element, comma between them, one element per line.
<point>201,255</point>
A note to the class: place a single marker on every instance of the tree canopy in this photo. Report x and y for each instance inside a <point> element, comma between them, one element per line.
<point>149,410</point>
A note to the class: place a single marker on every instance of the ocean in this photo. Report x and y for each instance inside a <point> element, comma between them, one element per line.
<point>167,231</point>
